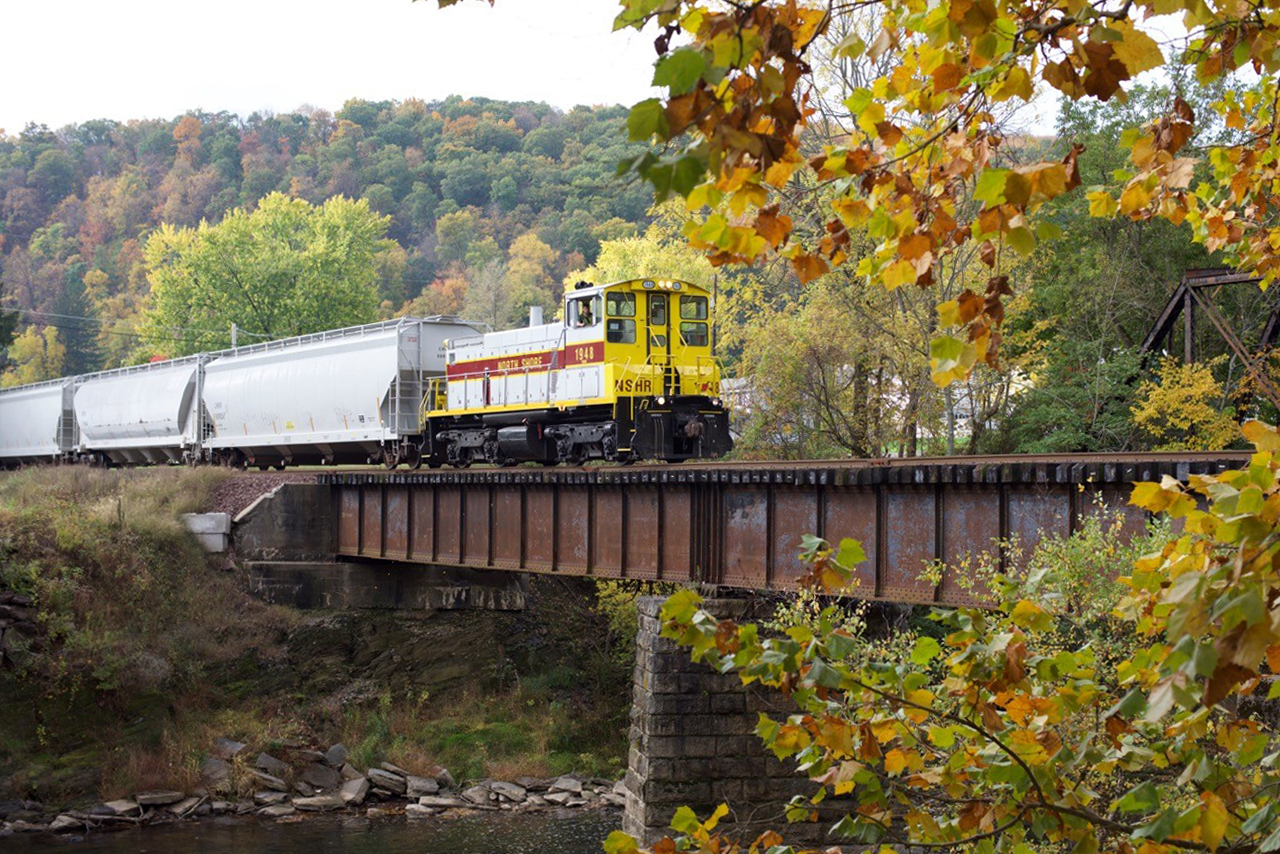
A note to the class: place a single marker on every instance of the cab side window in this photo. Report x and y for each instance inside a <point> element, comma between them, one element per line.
<point>583,313</point>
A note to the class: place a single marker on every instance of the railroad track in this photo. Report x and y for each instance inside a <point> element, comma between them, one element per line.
<point>1117,467</point>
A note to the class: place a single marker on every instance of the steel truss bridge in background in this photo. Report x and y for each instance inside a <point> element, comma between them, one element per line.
<point>1194,294</point>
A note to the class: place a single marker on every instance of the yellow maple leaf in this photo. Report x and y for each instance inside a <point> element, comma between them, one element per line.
<point>1138,51</point>
<point>1135,197</point>
<point>899,273</point>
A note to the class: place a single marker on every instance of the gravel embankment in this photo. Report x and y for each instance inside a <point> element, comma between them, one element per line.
<point>242,490</point>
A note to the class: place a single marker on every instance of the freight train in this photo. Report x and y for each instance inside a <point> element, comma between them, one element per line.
<point>626,374</point>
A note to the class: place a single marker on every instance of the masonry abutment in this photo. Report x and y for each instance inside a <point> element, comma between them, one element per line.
<point>693,743</point>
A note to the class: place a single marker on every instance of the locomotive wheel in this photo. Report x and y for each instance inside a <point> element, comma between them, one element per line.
<point>279,466</point>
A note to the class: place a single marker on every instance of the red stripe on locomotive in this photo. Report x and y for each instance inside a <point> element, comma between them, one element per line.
<point>571,356</point>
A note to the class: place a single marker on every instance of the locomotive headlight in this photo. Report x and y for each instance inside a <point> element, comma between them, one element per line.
<point>716,402</point>
<point>662,401</point>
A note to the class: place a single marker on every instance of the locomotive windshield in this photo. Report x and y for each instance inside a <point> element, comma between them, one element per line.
<point>621,304</point>
<point>693,308</point>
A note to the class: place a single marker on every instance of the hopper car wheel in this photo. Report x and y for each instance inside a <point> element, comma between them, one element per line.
<point>279,466</point>
<point>413,457</point>
<point>390,458</point>
<point>263,467</point>
<point>242,462</point>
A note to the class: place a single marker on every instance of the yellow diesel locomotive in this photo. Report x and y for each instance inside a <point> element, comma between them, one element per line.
<point>627,374</point>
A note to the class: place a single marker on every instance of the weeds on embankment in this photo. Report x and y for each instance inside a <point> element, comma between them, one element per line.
<point>136,620</point>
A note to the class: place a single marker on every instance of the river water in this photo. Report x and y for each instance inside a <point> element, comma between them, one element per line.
<point>528,833</point>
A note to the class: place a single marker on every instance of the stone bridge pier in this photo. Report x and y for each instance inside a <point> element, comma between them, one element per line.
<point>693,743</point>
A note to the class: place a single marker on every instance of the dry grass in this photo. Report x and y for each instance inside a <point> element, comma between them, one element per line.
<point>149,496</point>
<point>139,769</point>
<point>479,736</point>
<point>524,766</point>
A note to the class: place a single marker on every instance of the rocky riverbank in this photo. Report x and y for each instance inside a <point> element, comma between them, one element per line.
<point>294,780</point>
<point>125,651</point>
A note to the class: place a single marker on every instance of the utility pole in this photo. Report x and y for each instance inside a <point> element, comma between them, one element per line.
<point>233,336</point>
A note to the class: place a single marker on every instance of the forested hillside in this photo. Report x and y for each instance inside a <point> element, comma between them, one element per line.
<point>482,208</point>
<point>489,203</point>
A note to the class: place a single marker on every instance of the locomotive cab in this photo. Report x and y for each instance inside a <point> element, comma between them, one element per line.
<point>628,373</point>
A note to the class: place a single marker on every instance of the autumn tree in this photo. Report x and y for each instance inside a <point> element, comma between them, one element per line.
<point>1070,716</point>
<point>1185,408</point>
<point>286,268</point>
<point>921,170</point>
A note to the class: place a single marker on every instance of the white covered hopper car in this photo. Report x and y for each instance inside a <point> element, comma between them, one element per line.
<point>37,422</point>
<point>349,395</point>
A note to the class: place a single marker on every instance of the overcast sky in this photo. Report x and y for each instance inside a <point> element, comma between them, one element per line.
<point>68,61</point>
<point>72,60</point>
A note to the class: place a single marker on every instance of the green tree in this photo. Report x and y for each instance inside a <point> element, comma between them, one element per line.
<point>53,176</point>
<point>488,296</point>
<point>286,268</point>
<point>34,356</point>
<point>454,233</point>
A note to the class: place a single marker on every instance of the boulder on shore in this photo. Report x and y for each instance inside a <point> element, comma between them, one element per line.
<point>353,792</point>
<point>319,803</point>
<point>268,780</point>
<point>271,765</point>
<point>416,787</point>
<point>387,780</point>
<point>321,777</point>
<point>337,755</point>
<point>277,811</point>
<point>226,749</point>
